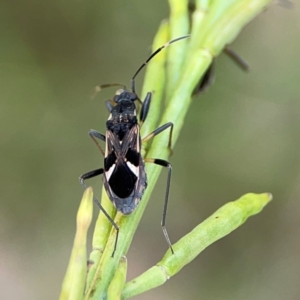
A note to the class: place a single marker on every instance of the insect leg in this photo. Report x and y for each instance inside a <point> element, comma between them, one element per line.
<point>164,163</point>
<point>92,174</point>
<point>95,134</point>
<point>158,131</point>
<point>145,108</point>
<point>237,59</point>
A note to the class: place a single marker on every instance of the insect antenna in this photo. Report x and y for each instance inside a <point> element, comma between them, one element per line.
<point>99,88</point>
<point>151,56</point>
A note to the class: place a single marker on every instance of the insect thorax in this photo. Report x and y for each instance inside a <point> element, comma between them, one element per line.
<point>122,118</point>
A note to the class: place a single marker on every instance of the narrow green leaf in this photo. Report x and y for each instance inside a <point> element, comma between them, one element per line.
<point>232,20</point>
<point>74,281</point>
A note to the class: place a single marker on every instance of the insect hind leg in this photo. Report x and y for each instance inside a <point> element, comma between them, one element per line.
<point>164,163</point>
<point>92,174</point>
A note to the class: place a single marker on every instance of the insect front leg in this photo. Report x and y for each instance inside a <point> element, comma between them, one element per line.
<point>95,134</point>
<point>145,108</point>
<point>92,174</point>
<point>158,131</point>
<point>164,163</point>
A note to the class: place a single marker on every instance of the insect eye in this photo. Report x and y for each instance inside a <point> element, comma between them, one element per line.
<point>116,98</point>
<point>133,96</point>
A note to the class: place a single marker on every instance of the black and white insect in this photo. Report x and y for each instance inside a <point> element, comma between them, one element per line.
<point>124,174</point>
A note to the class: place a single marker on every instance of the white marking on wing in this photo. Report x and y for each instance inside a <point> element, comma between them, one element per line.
<point>110,171</point>
<point>133,168</point>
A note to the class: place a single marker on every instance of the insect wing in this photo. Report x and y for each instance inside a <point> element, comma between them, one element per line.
<point>124,177</point>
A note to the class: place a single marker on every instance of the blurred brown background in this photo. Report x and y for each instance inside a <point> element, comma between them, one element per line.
<point>241,136</point>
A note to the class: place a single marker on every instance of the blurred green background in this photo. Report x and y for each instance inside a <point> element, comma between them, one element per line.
<point>241,136</point>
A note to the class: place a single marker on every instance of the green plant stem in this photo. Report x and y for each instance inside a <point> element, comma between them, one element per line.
<point>179,26</point>
<point>155,84</point>
<point>221,223</point>
<point>117,284</point>
<point>101,233</point>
